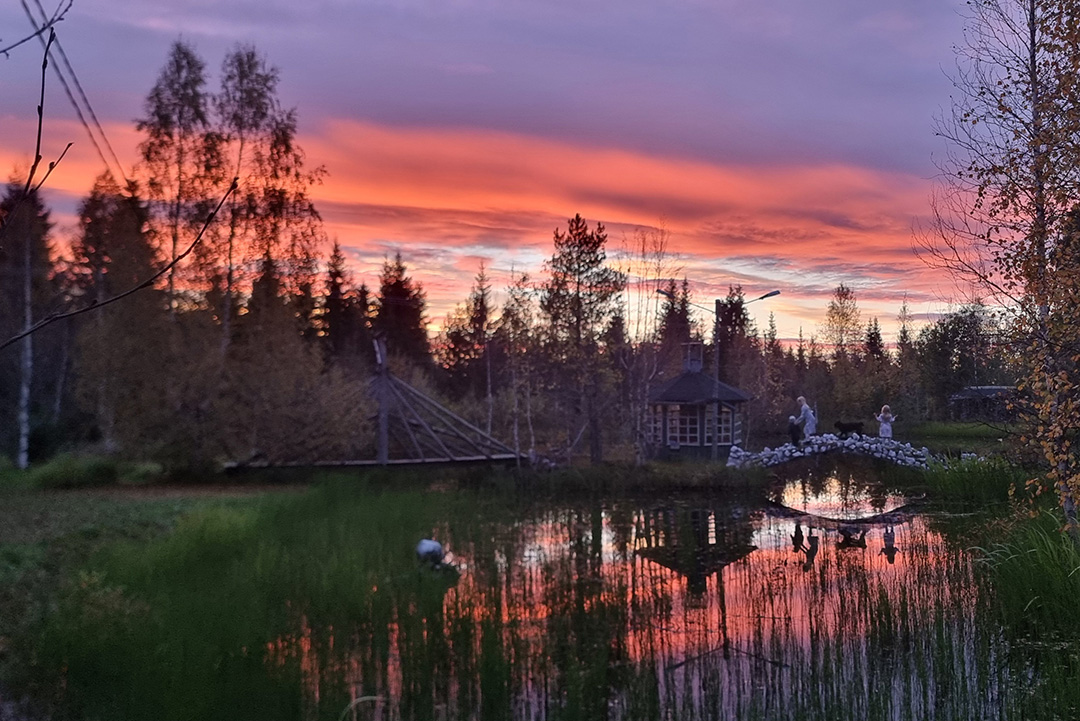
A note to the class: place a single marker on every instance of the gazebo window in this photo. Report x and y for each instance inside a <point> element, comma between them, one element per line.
<point>726,418</point>
<point>725,426</point>
<point>683,426</point>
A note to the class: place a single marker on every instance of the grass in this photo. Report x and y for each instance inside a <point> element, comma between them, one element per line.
<point>190,621</point>
<point>1036,573</point>
<point>954,438</point>
<point>977,481</point>
<point>79,470</point>
<point>957,429</point>
<point>46,537</point>
<point>274,606</point>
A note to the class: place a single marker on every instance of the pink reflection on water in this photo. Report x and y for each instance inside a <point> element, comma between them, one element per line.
<point>698,605</point>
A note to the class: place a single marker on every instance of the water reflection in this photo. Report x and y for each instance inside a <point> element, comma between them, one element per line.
<point>690,609</point>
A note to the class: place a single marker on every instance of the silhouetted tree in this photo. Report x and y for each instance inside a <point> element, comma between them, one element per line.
<point>400,313</point>
<point>958,350</point>
<point>122,349</point>
<point>579,297</point>
<point>180,155</point>
<point>346,321</point>
<point>676,327</point>
<point>245,109</point>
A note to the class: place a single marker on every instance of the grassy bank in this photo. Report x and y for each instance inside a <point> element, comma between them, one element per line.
<point>276,606</point>
<point>953,438</point>
<point>1033,567</point>
<point>48,536</point>
<point>190,621</point>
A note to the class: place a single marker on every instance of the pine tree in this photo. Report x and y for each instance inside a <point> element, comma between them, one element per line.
<point>676,327</point>
<point>122,349</point>
<point>578,299</point>
<point>400,313</point>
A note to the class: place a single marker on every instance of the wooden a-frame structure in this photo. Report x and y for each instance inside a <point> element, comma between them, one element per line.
<point>414,428</point>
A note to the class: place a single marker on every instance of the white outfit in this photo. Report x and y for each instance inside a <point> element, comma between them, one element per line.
<point>886,421</point>
<point>807,421</point>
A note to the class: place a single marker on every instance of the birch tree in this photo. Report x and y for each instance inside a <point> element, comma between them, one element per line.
<point>180,155</point>
<point>1002,216</point>
<point>24,277</point>
<point>245,108</point>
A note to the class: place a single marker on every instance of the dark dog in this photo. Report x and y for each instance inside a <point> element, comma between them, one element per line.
<point>846,429</point>
<point>794,431</point>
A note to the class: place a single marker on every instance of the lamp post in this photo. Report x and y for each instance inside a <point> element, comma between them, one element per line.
<point>716,358</point>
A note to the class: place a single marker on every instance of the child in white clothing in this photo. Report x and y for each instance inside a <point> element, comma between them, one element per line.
<point>885,418</point>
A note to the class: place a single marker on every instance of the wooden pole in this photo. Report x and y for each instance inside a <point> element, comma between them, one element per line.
<point>383,399</point>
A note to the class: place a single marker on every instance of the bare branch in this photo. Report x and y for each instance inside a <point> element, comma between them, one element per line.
<point>29,186</point>
<point>93,305</point>
<point>61,11</point>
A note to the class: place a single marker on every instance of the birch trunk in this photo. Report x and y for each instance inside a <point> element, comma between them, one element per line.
<point>27,366</point>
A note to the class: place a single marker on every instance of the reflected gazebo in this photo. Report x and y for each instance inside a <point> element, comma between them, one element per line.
<point>694,543</point>
<point>698,543</point>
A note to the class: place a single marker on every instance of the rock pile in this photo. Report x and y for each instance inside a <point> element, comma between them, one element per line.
<point>887,449</point>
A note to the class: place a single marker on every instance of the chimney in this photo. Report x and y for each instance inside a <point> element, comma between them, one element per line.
<point>693,354</point>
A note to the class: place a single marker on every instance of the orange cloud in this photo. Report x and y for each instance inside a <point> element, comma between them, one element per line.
<point>445,193</point>
<point>450,197</point>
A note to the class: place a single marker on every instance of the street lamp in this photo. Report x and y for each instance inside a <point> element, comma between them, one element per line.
<point>716,356</point>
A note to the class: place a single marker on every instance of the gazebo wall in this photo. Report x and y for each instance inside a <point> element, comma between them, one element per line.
<point>685,430</point>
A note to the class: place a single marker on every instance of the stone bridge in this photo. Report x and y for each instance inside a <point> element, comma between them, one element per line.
<point>887,449</point>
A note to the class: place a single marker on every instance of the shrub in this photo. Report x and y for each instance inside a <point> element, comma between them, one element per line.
<point>70,470</point>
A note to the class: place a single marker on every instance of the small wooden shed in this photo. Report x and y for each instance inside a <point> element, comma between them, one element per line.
<point>983,403</point>
<point>683,413</point>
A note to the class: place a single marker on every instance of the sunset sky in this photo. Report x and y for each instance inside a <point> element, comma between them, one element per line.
<point>782,144</point>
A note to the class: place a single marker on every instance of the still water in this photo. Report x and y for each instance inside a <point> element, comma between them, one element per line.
<point>811,601</point>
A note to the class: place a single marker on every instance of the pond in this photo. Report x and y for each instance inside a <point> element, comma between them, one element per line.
<point>709,607</point>
<point>808,601</point>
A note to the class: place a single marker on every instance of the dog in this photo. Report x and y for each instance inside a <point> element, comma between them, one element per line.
<point>794,431</point>
<point>846,429</point>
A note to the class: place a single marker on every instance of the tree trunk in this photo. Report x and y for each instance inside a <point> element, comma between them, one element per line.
<point>27,365</point>
<point>490,398</point>
<point>529,416</point>
<point>61,378</point>
<point>515,390</point>
<point>596,440</point>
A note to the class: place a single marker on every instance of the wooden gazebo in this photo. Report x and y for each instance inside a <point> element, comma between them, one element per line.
<point>683,413</point>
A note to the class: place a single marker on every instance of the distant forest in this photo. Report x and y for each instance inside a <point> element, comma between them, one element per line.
<point>251,344</point>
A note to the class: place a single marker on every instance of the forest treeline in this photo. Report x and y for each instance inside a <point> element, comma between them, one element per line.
<point>258,345</point>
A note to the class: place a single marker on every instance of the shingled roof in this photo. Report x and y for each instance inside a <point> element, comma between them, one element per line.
<point>697,387</point>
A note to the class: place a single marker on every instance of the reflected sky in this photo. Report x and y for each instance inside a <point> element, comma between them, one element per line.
<point>688,608</point>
